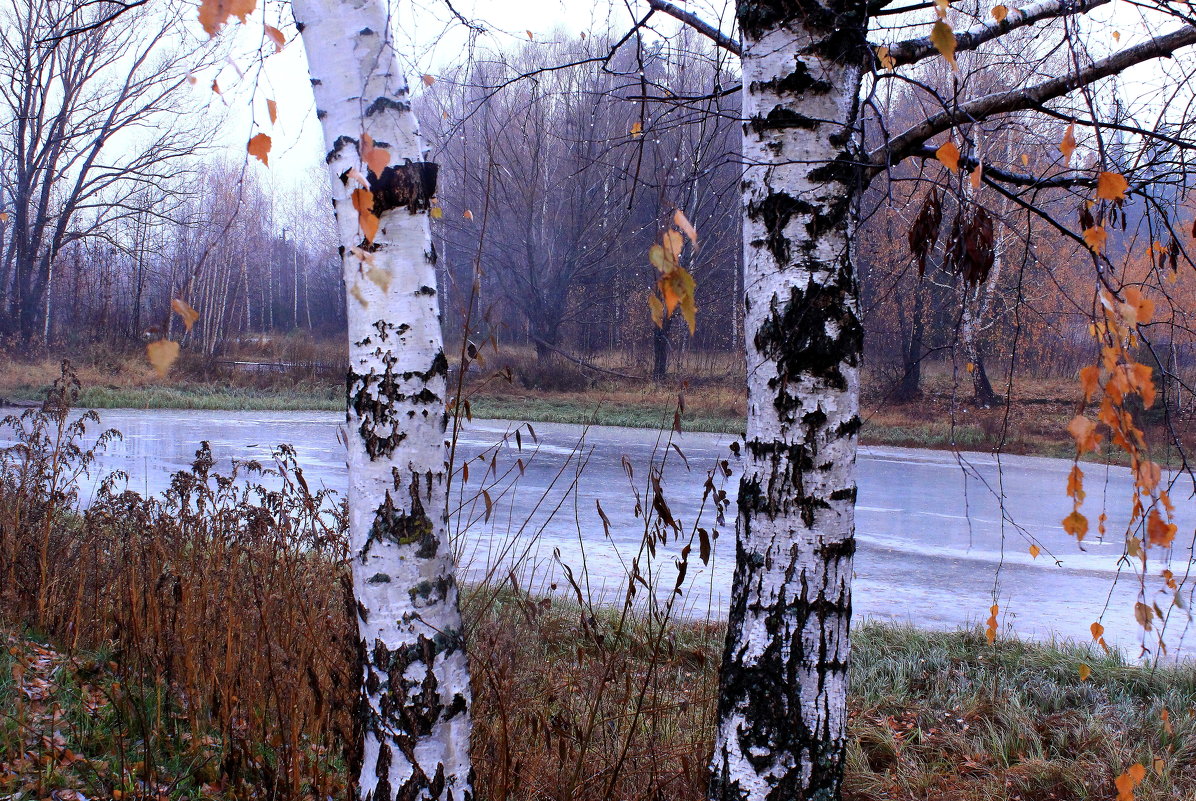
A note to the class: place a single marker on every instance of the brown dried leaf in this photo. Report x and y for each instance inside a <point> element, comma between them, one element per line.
<point>272,110</point>
<point>259,148</point>
<point>1000,13</point>
<point>275,35</point>
<point>375,158</point>
<point>363,202</point>
<point>943,39</point>
<point>682,222</point>
<point>1111,186</point>
<point>886,60</point>
<point>183,309</point>
<point>1068,145</point>
<point>162,353</point>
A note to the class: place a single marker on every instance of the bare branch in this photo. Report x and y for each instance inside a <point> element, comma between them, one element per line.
<point>700,25</point>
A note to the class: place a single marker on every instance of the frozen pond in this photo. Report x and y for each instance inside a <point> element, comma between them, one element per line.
<point>935,539</point>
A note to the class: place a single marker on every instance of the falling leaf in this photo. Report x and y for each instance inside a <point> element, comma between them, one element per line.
<point>1111,186</point>
<point>363,202</point>
<point>948,154</point>
<point>637,128</point>
<point>161,354</point>
<point>275,35</point>
<point>1076,525</point>
<point>259,148</point>
<point>467,214</point>
<point>272,110</point>
<point>379,277</point>
<point>183,309</point>
<point>375,158</point>
<point>1068,145</point>
<point>1084,671</point>
<point>1000,13</point>
<point>1035,551</point>
<point>943,38</point>
<point>1095,238</point>
<point>214,13</point>
<point>886,60</point>
<point>682,222</point>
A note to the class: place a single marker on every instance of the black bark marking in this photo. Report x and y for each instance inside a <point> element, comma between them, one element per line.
<point>340,144</point>
<point>411,185</point>
<point>386,104</point>
<point>412,527</point>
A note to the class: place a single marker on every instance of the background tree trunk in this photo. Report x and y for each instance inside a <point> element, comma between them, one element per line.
<point>415,691</point>
<point>783,688</point>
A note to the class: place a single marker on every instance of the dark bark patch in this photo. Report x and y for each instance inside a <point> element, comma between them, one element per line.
<point>395,526</point>
<point>411,185</point>
<point>386,104</point>
<point>781,118</point>
<point>798,82</point>
<point>340,144</point>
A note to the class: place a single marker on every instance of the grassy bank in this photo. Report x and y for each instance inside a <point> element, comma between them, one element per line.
<point>1034,422</point>
<point>933,716</point>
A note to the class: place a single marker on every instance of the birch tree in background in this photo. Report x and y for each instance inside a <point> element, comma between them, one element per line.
<point>415,692</point>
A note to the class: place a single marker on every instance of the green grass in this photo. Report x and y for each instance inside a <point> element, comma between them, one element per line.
<point>933,715</point>
<point>550,410</point>
<point>200,396</point>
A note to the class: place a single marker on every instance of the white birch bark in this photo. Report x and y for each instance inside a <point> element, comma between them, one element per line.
<point>782,705</point>
<point>415,692</point>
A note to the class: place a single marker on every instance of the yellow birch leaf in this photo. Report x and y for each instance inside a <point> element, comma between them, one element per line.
<point>436,212</point>
<point>1025,160</point>
<point>637,128</point>
<point>183,309</point>
<point>886,60</point>
<point>673,242</point>
<point>1076,525</point>
<point>381,278</point>
<point>162,353</point>
<point>1116,36</point>
<point>259,148</point>
<point>1035,551</point>
<point>943,38</point>
<point>1084,671</point>
<point>657,309</point>
<point>1111,186</point>
<point>948,154</point>
<point>1000,13</point>
<point>1067,145</point>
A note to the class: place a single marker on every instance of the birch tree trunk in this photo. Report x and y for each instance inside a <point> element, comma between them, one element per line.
<point>415,694</point>
<point>783,687</point>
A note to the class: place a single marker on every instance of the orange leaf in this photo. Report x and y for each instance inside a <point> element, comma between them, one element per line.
<point>214,13</point>
<point>1084,671</point>
<point>1076,525</point>
<point>1090,381</point>
<point>183,309</point>
<point>1083,431</point>
<point>259,148</point>
<point>3,216</point>
<point>1143,306</point>
<point>1097,630</point>
<point>637,128</point>
<point>1137,772</point>
<point>948,154</point>
<point>976,175</point>
<point>682,222</point>
<point>428,80</point>
<point>375,158</point>
<point>272,110</point>
<point>161,354</point>
<point>363,202</point>
<point>1068,145</point>
<point>1035,551</point>
<point>275,35</point>
<point>1158,531</point>
<point>1095,238</point>
<point>467,214</point>
<point>1111,186</point>
<point>1075,483</point>
<point>1147,475</point>
<point>1000,13</point>
<point>886,61</point>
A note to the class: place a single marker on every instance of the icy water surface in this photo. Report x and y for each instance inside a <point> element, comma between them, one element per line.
<point>934,537</point>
